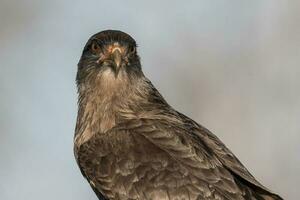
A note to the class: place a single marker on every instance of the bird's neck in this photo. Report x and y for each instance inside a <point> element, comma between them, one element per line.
<point>102,106</point>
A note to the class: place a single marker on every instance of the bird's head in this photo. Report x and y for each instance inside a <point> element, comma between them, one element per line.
<point>109,54</point>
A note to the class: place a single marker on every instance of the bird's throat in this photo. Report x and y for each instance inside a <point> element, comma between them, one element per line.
<point>100,107</point>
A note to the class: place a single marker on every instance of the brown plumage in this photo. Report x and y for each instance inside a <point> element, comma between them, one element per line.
<point>130,144</point>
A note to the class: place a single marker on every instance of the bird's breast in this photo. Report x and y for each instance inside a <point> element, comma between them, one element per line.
<point>125,165</point>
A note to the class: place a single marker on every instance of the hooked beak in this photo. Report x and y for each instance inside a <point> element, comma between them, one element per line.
<point>117,58</point>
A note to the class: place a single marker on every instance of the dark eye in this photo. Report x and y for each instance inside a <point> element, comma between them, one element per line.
<point>95,48</point>
<point>132,49</point>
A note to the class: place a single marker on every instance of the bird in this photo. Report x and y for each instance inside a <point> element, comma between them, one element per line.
<point>131,144</point>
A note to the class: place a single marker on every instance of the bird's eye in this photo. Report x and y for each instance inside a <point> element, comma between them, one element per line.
<point>95,48</point>
<point>132,49</point>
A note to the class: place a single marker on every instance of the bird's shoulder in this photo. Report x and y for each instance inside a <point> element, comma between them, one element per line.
<point>168,131</point>
<point>214,146</point>
<point>195,146</point>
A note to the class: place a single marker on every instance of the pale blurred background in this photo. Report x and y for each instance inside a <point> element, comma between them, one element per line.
<point>233,66</point>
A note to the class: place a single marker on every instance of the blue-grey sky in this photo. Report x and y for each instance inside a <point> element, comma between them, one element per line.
<point>233,66</point>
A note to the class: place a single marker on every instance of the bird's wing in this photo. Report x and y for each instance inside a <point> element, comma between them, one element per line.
<point>207,173</point>
<point>199,150</point>
<point>83,168</point>
<point>224,155</point>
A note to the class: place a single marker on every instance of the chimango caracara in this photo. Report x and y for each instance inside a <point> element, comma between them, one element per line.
<point>131,144</point>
